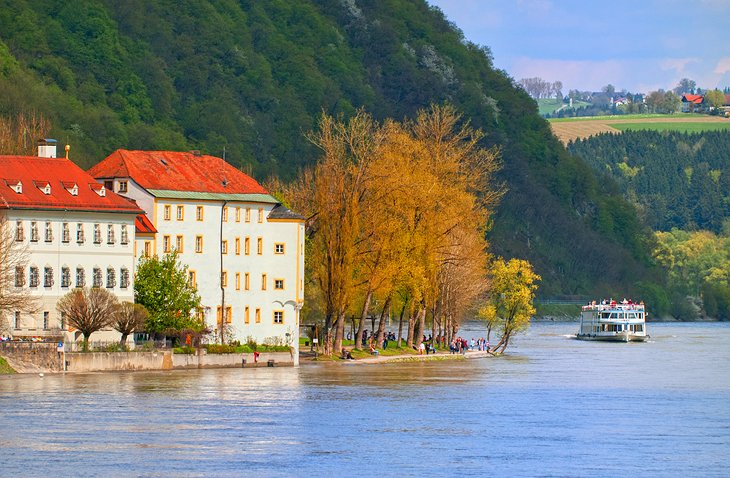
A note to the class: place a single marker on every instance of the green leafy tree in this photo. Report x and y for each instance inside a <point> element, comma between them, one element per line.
<point>162,287</point>
<point>715,98</point>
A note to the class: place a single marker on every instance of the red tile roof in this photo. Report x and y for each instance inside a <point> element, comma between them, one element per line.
<point>143,225</point>
<point>696,99</point>
<point>35,173</point>
<point>176,171</point>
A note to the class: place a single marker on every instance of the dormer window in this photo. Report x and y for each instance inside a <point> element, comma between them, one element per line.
<point>15,185</point>
<point>44,186</point>
<point>71,187</point>
<point>98,189</point>
<point>123,186</point>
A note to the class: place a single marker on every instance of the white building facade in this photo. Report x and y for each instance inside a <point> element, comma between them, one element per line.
<point>244,251</point>
<point>74,233</point>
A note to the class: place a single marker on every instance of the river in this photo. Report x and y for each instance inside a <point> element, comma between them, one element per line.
<point>554,406</point>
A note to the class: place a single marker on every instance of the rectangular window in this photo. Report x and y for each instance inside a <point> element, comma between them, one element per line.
<point>224,247</point>
<point>199,244</point>
<point>122,186</point>
<point>124,278</point>
<point>80,277</point>
<point>258,316</point>
<point>238,214</point>
<point>166,244</point>
<point>246,281</point>
<point>111,279</point>
<point>238,246</point>
<point>263,281</point>
<point>17,319</point>
<point>19,276</point>
<point>278,316</point>
<point>238,281</point>
<point>166,211</point>
<point>179,243</point>
<point>192,279</point>
<point>260,246</point>
<point>33,279</point>
<point>80,233</point>
<point>65,277</point>
<point>247,246</point>
<point>97,277</point>
<point>199,213</point>
<point>109,185</point>
<point>180,214</point>
<point>279,248</point>
<point>110,239</point>
<point>279,284</point>
<point>246,315</point>
<point>224,279</point>
<point>49,231</point>
<point>19,234</point>
<point>248,214</point>
<point>48,277</point>
<point>65,233</point>
<point>125,235</point>
<point>97,233</point>
<point>229,314</point>
<point>34,231</point>
<point>147,248</point>
<point>261,215</point>
<point>46,317</point>
<point>224,214</point>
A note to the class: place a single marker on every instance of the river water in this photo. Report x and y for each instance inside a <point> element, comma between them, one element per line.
<point>554,406</point>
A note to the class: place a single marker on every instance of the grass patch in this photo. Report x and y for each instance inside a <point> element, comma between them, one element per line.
<point>681,127</point>
<point>5,368</point>
<point>624,117</point>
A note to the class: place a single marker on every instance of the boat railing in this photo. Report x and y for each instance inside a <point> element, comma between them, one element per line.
<point>614,306</point>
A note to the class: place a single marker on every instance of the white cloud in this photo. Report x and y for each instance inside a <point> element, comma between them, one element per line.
<point>677,64</point>
<point>723,66</point>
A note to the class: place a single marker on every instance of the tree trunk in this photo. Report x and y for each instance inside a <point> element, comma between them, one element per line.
<point>363,316</point>
<point>339,331</point>
<point>381,324</point>
<point>85,344</point>
<point>411,329</point>
<point>400,325</point>
<point>123,340</point>
<point>421,326</point>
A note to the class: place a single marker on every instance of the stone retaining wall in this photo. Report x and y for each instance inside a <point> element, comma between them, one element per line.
<point>27,357</point>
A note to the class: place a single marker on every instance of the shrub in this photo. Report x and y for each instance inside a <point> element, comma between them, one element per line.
<point>184,350</point>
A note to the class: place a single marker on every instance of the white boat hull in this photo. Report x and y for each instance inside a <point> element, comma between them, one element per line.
<point>613,338</point>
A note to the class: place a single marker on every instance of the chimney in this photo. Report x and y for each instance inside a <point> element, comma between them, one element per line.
<point>47,148</point>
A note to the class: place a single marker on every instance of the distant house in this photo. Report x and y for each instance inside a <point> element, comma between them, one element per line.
<point>76,233</point>
<point>244,250</point>
<point>691,103</point>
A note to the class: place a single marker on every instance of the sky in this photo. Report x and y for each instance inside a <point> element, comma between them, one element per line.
<point>637,45</point>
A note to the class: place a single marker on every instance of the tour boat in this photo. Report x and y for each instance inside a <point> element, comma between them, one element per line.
<point>613,321</point>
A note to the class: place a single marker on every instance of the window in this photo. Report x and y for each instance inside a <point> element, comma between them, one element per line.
<point>192,279</point>
<point>65,233</point>
<point>224,247</point>
<point>279,284</point>
<point>224,279</point>
<point>180,213</point>
<point>110,239</point>
<point>258,316</point>
<point>279,248</point>
<point>80,233</point>
<point>122,186</point>
<point>49,231</point>
<point>48,277</point>
<point>111,278</point>
<point>259,246</point>
<point>246,281</point>
<point>124,278</point>
<point>238,214</point>
<point>80,277</point>
<point>238,281</point>
<point>166,212</point>
<point>34,231</point>
<point>179,243</point>
<point>199,213</point>
<point>19,234</point>
<point>246,315</point>
<point>17,319</point>
<point>248,214</point>
<point>263,281</point>
<point>278,316</point>
<point>247,246</point>
<point>97,277</point>
<point>261,215</point>
<point>165,244</point>
<point>33,279</point>
<point>97,233</point>
<point>46,317</point>
<point>109,185</point>
<point>238,246</point>
<point>224,214</point>
<point>125,235</point>
<point>65,277</point>
<point>19,276</point>
<point>229,314</point>
<point>198,244</point>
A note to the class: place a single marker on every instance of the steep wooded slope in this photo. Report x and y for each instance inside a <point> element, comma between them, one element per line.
<point>249,78</point>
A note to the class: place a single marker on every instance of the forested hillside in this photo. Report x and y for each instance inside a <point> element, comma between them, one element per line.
<point>246,79</point>
<point>677,180</point>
